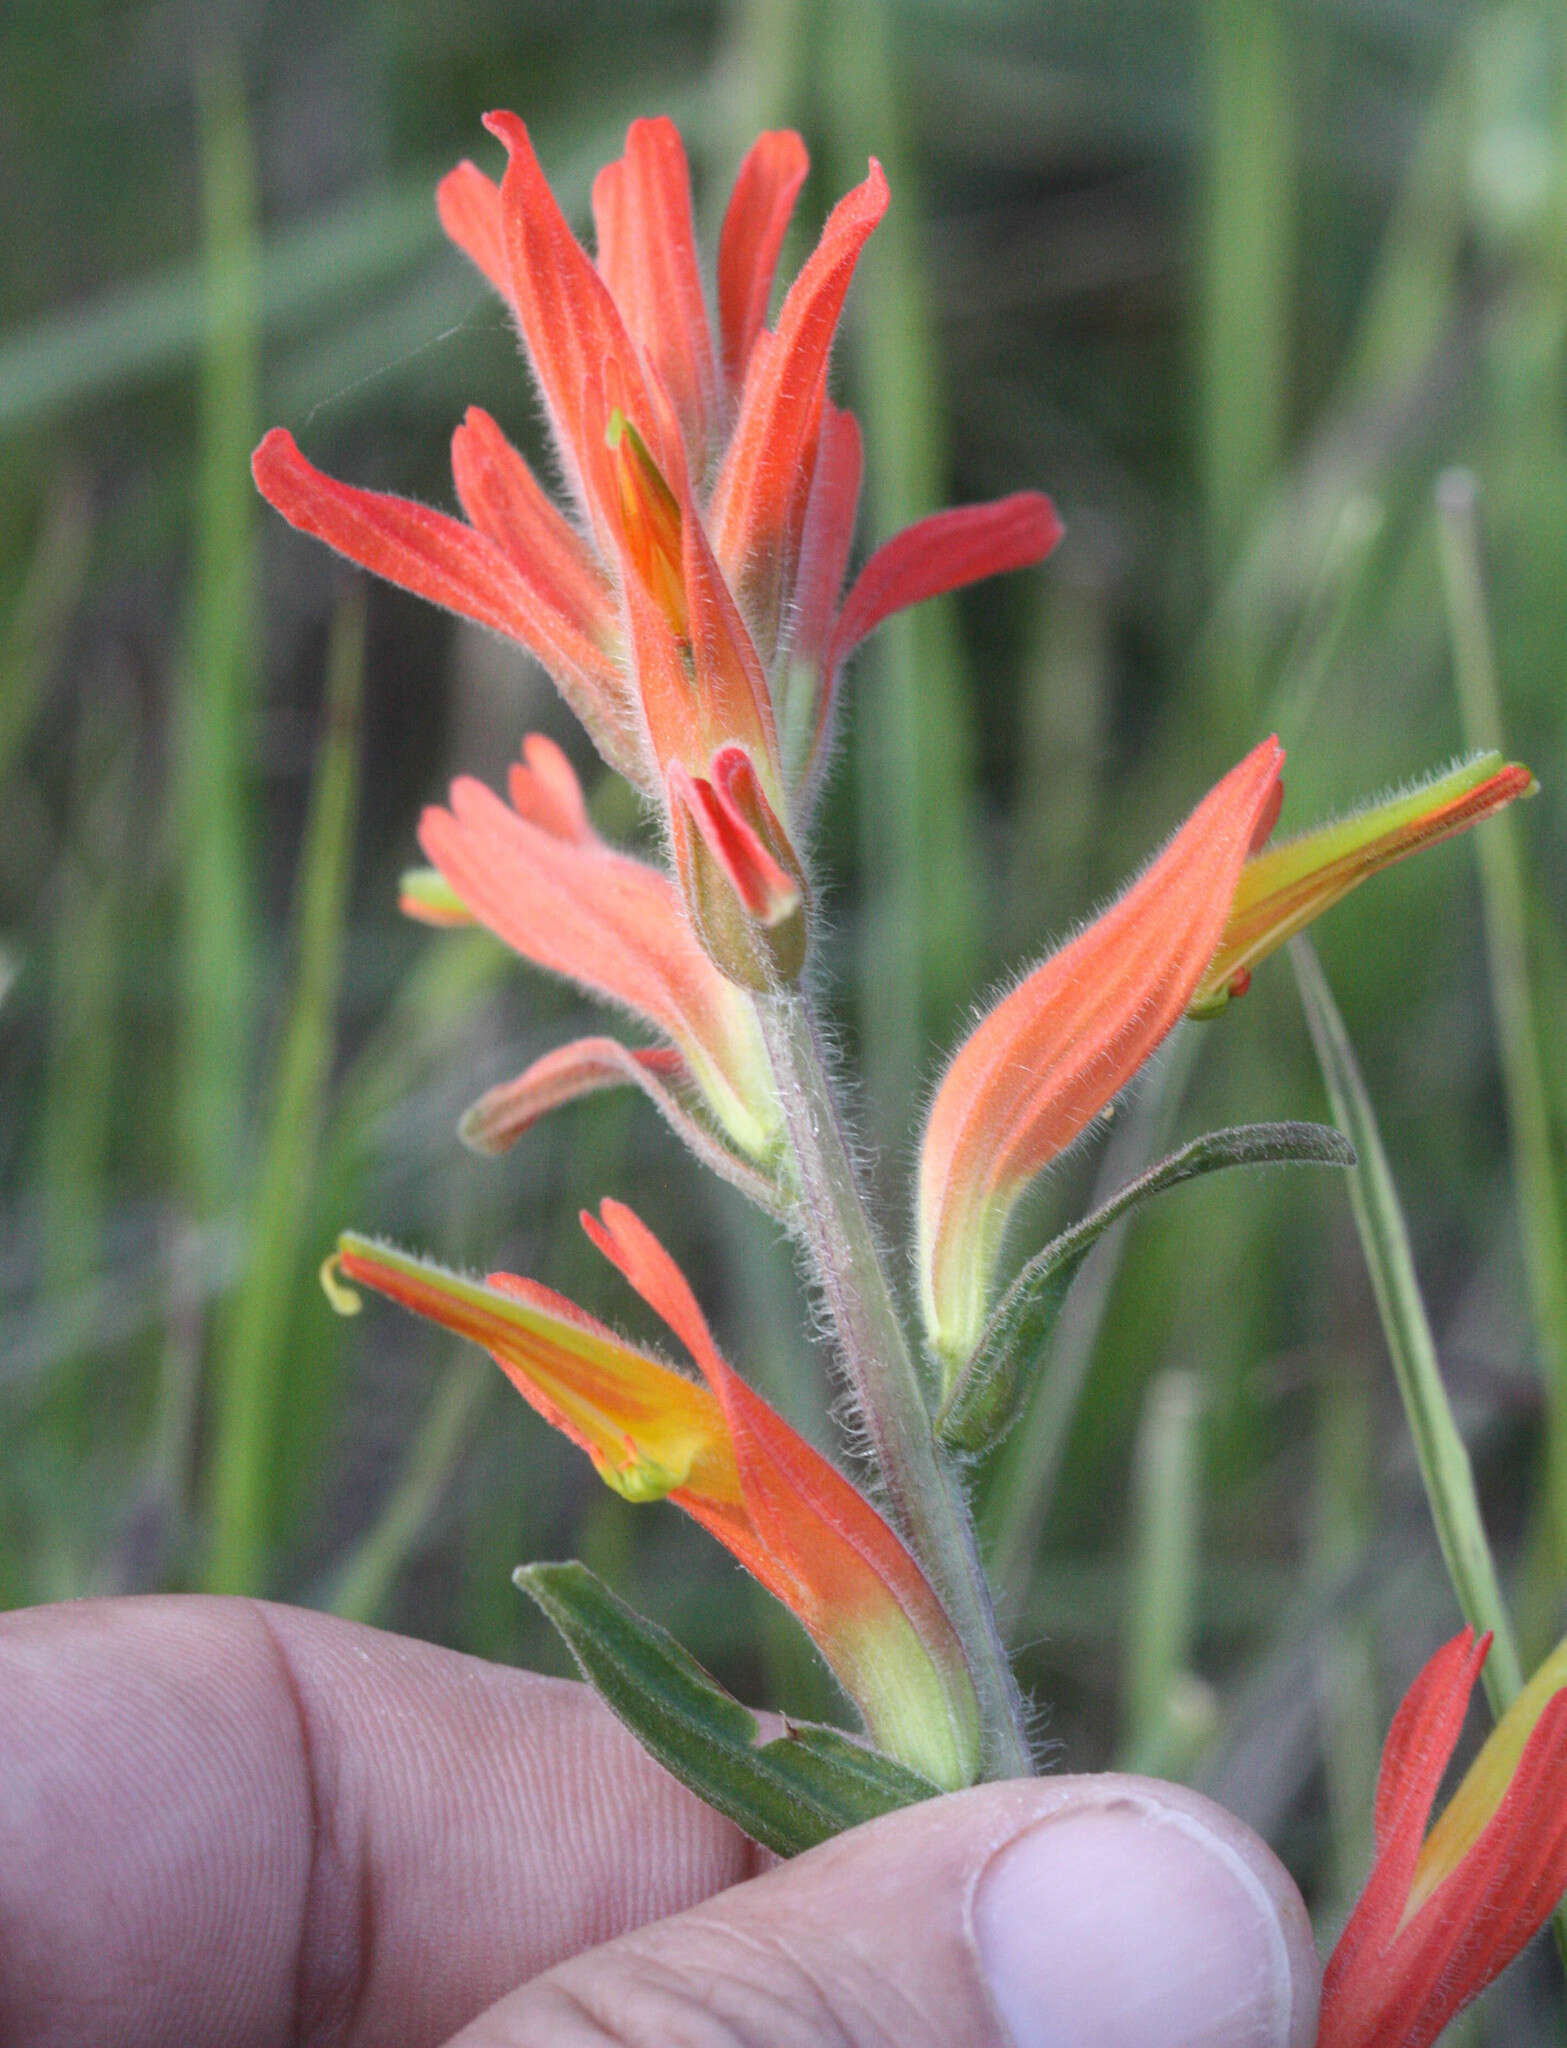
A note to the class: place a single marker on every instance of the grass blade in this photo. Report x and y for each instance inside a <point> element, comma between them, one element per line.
<point>1444,1460</point>
<point>364,1580</point>
<point>248,1378</point>
<point>212,794</point>
<point>914,753</point>
<point>1166,1517</point>
<point>36,627</point>
<point>1248,234</point>
<point>1503,898</point>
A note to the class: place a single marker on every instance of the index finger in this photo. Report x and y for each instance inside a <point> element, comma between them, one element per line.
<point>222,1820</point>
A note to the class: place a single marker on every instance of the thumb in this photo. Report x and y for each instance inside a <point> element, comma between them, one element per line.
<point>1111,1912</point>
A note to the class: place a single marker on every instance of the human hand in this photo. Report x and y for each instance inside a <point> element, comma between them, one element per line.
<point>227,1822</point>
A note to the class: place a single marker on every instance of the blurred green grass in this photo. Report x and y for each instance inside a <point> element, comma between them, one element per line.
<point>1237,280</point>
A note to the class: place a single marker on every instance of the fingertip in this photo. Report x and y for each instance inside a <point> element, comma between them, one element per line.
<point>1137,1915</point>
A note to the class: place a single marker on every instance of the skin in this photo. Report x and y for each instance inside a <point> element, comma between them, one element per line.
<point>223,1821</point>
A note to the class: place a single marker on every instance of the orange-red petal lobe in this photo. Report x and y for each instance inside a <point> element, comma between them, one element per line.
<point>439,558</point>
<point>1437,1922</point>
<point>605,920</point>
<point>701,677</point>
<point>828,533</point>
<point>765,890</point>
<point>503,498</point>
<point>743,885</point>
<point>544,791</point>
<point>828,1554</point>
<point>569,321</point>
<point>755,223</point>
<point>763,487</point>
<point>469,205</point>
<point>1494,1902</point>
<point>647,256</point>
<point>943,552</point>
<point>677,728</point>
<point>1051,1054</point>
<point>802,692</point>
<point>730,683</point>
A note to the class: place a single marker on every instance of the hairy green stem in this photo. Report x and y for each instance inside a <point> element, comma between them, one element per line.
<point>923,1493</point>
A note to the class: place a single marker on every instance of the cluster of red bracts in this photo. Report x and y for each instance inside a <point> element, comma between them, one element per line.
<point>691,614</point>
<point>691,610</point>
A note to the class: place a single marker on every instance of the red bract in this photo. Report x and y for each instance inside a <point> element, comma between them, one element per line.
<point>1441,1915</point>
<point>681,622</point>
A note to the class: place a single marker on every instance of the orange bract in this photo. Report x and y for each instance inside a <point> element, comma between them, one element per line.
<point>1182,939</point>
<point>718,1451</point>
<point>1050,1055</point>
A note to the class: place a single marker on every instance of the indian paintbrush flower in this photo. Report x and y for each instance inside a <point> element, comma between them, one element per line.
<point>689,609</point>
<point>1182,940</point>
<point>689,603</point>
<point>1445,1912</point>
<point>717,1450</point>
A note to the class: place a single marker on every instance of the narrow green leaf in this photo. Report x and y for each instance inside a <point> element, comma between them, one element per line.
<point>1504,905</point>
<point>983,1398</point>
<point>788,1794</point>
<point>1379,1217</point>
<point>244,1481</point>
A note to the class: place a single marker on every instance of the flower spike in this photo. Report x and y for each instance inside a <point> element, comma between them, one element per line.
<point>718,1451</point>
<point>1443,1915</point>
<point>1050,1055</point>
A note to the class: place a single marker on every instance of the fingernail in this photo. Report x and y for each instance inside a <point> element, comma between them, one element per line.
<point>1128,1924</point>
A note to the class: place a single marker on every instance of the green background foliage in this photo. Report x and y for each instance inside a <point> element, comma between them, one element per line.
<point>1238,281</point>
